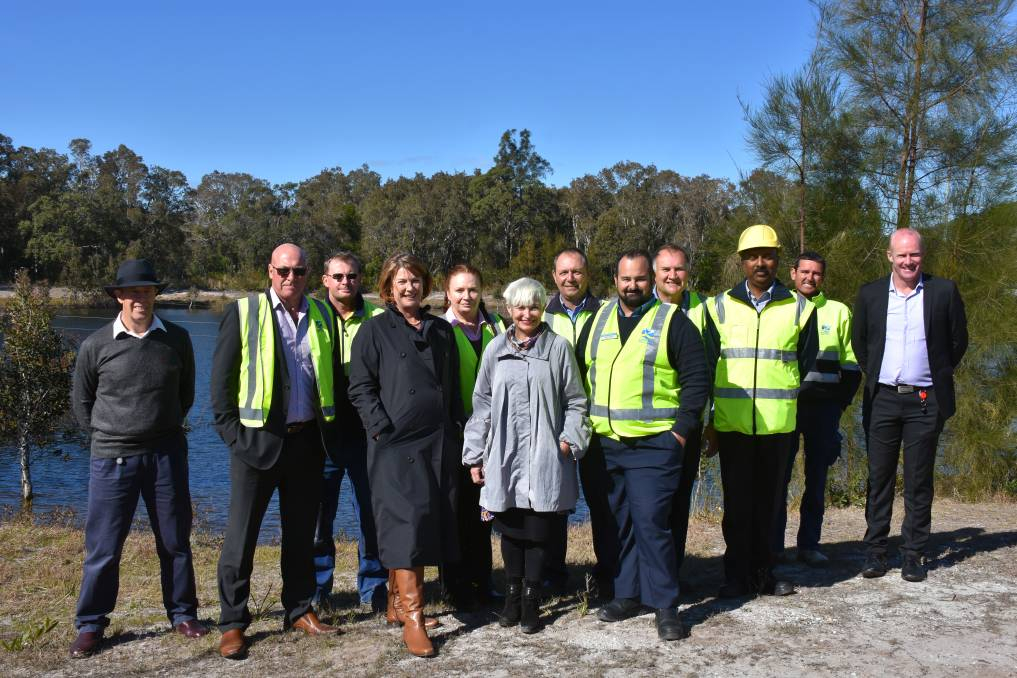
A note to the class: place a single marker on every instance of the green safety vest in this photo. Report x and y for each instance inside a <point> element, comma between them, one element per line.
<point>257,357</point>
<point>755,388</point>
<point>348,330</point>
<point>835,353</point>
<point>633,389</point>
<point>694,307</point>
<point>469,361</point>
<point>562,325</point>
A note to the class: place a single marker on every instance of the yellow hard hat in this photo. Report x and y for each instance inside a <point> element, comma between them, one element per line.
<point>759,235</point>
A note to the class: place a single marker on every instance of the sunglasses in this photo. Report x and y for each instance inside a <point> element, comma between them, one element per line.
<point>284,271</point>
<point>339,277</point>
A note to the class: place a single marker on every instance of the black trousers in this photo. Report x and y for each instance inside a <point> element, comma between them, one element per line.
<point>897,418</point>
<point>297,475</point>
<point>595,484</point>
<point>751,473</point>
<point>683,498</point>
<point>472,574</point>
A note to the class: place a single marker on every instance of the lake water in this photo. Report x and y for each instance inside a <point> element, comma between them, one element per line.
<point>60,473</point>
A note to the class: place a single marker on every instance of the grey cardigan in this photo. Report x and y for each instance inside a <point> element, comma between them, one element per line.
<point>524,403</point>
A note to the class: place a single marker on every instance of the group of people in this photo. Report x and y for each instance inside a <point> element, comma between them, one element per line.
<point>448,425</point>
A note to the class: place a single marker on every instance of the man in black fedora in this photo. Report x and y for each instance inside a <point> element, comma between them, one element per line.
<point>133,386</point>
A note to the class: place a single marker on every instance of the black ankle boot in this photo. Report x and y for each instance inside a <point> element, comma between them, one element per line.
<point>513,603</point>
<point>529,621</point>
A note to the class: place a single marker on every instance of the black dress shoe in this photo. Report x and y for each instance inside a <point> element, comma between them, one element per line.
<point>771,586</point>
<point>669,626</point>
<point>912,569</point>
<point>875,566</point>
<point>86,644</point>
<point>735,589</point>
<point>619,609</point>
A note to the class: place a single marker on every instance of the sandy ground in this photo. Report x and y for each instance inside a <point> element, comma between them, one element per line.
<point>961,621</point>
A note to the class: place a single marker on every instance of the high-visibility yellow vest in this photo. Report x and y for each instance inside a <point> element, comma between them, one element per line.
<point>348,330</point>
<point>257,357</point>
<point>633,389</point>
<point>835,353</point>
<point>756,382</point>
<point>694,308</point>
<point>469,361</point>
<point>562,325</point>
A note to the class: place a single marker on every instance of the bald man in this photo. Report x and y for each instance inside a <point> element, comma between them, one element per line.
<point>909,334</point>
<point>272,399</point>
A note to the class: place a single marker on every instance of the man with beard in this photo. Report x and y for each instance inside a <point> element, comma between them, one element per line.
<point>767,341</point>
<point>647,378</point>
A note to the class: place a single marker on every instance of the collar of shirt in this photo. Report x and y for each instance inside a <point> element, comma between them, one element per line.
<point>450,316</point>
<point>278,305</point>
<point>641,310</point>
<point>119,327</point>
<point>573,312</point>
<point>918,288</point>
<point>764,299</point>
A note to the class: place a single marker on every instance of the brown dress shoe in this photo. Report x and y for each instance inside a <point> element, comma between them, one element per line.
<point>411,595</point>
<point>86,644</point>
<point>312,626</point>
<point>233,644</point>
<point>191,628</point>
<point>394,611</point>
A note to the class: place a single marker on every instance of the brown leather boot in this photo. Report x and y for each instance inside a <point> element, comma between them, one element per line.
<point>411,597</point>
<point>394,611</point>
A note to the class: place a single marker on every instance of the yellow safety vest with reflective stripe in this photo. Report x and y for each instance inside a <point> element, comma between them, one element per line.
<point>348,330</point>
<point>469,361</point>
<point>694,308</point>
<point>633,389</point>
<point>562,325</point>
<point>835,353</point>
<point>257,357</point>
<point>755,388</point>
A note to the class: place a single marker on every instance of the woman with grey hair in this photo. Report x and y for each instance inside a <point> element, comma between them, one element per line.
<point>528,429</point>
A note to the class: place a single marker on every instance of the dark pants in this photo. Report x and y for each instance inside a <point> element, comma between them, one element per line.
<point>644,474</point>
<point>896,418</point>
<point>371,576</point>
<point>751,471</point>
<point>160,478</point>
<point>683,498</point>
<point>524,559</point>
<point>297,475</point>
<point>819,427</point>
<point>471,576</point>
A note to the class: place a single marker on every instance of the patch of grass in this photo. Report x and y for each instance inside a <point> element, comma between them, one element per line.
<point>27,634</point>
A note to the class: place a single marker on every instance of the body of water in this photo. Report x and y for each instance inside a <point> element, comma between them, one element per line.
<point>60,472</point>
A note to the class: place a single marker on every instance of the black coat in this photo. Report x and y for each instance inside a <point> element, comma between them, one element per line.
<point>405,385</point>
<point>257,447</point>
<point>946,336</point>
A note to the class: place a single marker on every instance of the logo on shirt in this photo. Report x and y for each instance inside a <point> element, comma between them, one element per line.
<point>649,335</point>
<point>825,329</point>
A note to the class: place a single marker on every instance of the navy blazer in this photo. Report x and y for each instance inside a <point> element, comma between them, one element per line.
<point>946,335</point>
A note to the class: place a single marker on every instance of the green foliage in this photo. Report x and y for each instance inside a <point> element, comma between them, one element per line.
<point>27,634</point>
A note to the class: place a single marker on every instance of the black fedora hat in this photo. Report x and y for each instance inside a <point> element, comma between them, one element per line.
<point>135,273</point>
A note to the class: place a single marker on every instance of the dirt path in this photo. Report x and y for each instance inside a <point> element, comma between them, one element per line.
<point>961,621</point>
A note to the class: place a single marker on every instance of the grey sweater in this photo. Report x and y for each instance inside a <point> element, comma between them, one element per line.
<point>132,394</point>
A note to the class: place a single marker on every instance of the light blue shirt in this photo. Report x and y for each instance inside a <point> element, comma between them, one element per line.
<point>573,312</point>
<point>905,354</point>
<point>763,300</point>
<point>296,347</point>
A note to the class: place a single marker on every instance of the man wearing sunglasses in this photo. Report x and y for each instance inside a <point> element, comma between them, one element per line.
<point>273,398</point>
<point>349,453</point>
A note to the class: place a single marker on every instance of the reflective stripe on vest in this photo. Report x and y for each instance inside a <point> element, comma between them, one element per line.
<point>257,357</point>
<point>634,391</point>
<point>562,325</point>
<point>833,320</point>
<point>757,380</point>
<point>469,361</point>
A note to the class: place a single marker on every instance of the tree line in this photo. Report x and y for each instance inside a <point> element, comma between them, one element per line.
<point>905,114</point>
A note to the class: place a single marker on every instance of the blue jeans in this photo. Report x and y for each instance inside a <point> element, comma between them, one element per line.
<point>819,425</point>
<point>371,576</point>
<point>160,478</point>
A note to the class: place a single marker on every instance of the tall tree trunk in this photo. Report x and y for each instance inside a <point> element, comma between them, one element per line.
<point>26,471</point>
<point>912,124</point>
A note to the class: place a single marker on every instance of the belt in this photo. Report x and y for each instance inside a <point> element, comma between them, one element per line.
<point>298,426</point>
<point>904,388</point>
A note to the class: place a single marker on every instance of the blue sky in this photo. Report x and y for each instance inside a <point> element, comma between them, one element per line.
<point>283,90</point>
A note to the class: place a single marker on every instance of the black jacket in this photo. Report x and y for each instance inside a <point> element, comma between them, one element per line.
<point>258,447</point>
<point>405,385</point>
<point>946,335</point>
